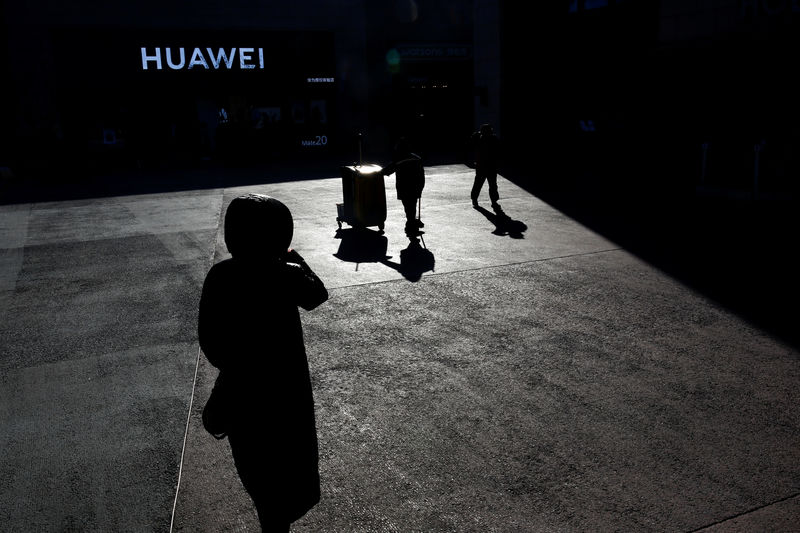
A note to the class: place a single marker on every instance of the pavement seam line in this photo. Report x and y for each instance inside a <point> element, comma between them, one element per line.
<point>185,439</point>
<point>194,381</point>
<point>483,268</point>
<point>744,513</point>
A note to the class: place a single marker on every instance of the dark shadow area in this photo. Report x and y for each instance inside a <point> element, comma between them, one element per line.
<point>415,260</point>
<point>361,245</point>
<point>738,252</point>
<point>504,224</point>
<point>71,184</point>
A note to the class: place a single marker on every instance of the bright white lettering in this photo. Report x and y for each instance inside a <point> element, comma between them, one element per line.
<point>198,59</point>
<point>244,55</point>
<point>146,58</point>
<point>221,57</point>
<point>169,59</point>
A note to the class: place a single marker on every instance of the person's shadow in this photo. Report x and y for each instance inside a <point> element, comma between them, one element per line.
<point>504,224</point>
<point>415,260</point>
<point>361,245</point>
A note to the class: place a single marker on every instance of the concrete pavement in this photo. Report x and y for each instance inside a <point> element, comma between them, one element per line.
<point>98,351</point>
<point>525,376</point>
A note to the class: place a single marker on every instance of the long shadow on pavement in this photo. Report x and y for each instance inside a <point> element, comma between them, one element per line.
<point>504,224</point>
<point>415,260</point>
<point>361,245</point>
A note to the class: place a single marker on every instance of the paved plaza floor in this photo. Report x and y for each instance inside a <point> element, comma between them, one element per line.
<point>518,372</point>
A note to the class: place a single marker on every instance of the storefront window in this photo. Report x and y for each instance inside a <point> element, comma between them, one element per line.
<point>319,114</point>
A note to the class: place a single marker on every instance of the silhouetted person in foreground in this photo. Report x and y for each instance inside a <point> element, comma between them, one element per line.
<point>410,182</point>
<point>249,328</point>
<point>487,154</point>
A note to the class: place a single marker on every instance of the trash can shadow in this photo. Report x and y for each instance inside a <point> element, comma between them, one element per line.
<point>361,245</point>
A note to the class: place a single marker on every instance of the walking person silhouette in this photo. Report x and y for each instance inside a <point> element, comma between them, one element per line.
<point>487,148</point>
<point>249,328</point>
<point>410,182</point>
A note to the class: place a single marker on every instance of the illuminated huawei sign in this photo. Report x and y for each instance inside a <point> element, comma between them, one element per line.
<point>176,58</point>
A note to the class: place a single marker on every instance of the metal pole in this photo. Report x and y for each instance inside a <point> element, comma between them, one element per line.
<point>757,148</point>
<point>705,160</point>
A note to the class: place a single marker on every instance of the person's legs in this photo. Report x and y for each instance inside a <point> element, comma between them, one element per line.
<point>269,522</point>
<point>494,195</point>
<point>252,464</point>
<point>480,177</point>
<point>409,206</point>
<point>419,210</point>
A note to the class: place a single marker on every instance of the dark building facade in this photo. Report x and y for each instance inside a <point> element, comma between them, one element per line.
<point>420,60</point>
<point>698,92</point>
<point>662,94</point>
<point>143,83</point>
<point>728,63</point>
<point>194,93</point>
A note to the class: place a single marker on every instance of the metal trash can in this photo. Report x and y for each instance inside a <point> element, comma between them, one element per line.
<point>364,197</point>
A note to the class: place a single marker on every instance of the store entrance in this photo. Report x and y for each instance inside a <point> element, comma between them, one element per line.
<point>433,108</point>
<point>128,115</point>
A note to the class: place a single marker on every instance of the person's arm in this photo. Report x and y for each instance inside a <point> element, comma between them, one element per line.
<point>394,166</point>
<point>211,319</point>
<point>389,169</point>
<point>309,289</point>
